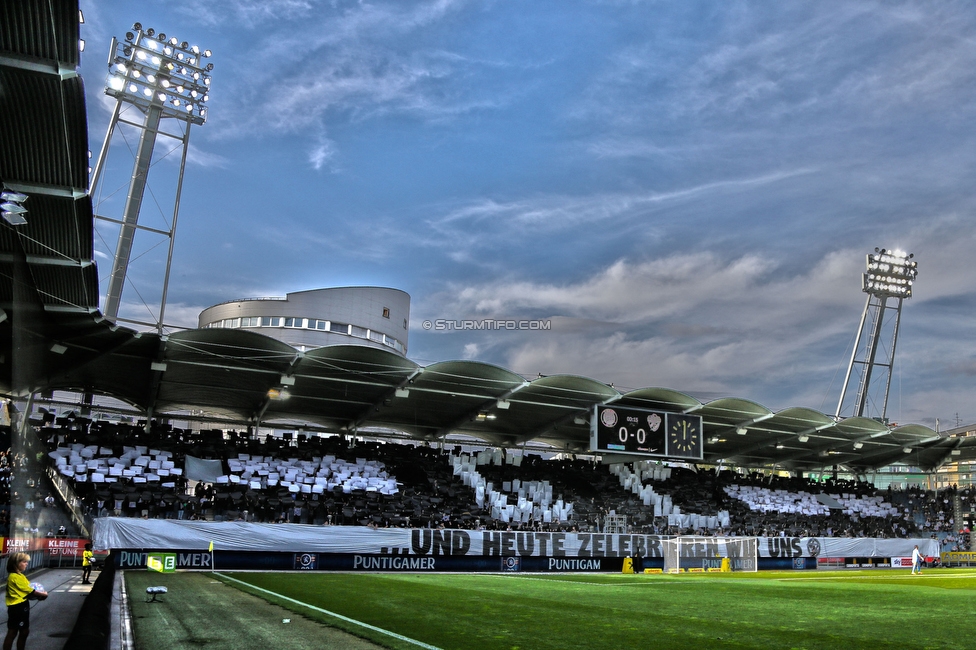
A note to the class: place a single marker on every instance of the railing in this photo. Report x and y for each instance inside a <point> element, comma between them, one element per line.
<point>79,517</point>
<point>38,559</point>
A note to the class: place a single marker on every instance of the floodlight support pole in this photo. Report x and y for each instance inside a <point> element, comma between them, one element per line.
<point>889,275</point>
<point>103,153</point>
<point>894,341</point>
<point>162,78</point>
<point>172,238</point>
<point>872,353</point>
<point>850,365</point>
<point>130,217</point>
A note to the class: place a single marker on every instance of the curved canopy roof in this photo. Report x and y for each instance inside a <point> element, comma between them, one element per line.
<point>52,336</point>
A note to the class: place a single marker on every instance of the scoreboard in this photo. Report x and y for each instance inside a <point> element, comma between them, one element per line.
<point>646,432</point>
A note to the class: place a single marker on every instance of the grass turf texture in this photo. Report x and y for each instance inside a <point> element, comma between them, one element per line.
<point>201,612</point>
<point>865,609</point>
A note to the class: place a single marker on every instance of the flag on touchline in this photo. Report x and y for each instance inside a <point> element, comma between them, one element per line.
<point>211,546</point>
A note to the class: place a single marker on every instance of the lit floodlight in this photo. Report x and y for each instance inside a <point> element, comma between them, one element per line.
<point>161,71</point>
<point>890,273</point>
<point>12,209</point>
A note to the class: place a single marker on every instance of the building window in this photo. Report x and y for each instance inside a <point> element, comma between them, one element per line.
<point>294,322</point>
<point>360,332</point>
<point>322,325</point>
<point>375,336</point>
<point>232,322</point>
<point>386,312</point>
<point>340,328</point>
<point>252,321</point>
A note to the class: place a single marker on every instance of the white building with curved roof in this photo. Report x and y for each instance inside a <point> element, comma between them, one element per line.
<point>373,316</point>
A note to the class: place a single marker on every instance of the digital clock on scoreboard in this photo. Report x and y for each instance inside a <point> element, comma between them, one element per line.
<point>645,432</point>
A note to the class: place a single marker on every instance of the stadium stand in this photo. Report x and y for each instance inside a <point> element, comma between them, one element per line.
<point>121,469</point>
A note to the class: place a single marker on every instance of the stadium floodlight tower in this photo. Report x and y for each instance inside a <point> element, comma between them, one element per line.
<point>889,276</point>
<point>162,78</point>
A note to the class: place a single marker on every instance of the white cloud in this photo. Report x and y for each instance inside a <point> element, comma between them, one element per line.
<point>471,351</point>
<point>322,154</point>
<point>705,323</point>
<point>564,212</point>
<point>357,59</point>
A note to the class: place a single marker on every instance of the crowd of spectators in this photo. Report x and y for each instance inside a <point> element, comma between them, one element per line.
<point>431,492</point>
<point>27,504</point>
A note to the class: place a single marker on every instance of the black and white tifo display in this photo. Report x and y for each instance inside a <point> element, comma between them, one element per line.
<point>646,432</point>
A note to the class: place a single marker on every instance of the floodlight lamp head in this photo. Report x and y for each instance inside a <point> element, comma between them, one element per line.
<point>152,70</point>
<point>137,26</point>
<point>129,36</point>
<point>150,32</point>
<point>13,207</point>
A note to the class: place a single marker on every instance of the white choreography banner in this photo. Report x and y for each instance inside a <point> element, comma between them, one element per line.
<point>124,533</point>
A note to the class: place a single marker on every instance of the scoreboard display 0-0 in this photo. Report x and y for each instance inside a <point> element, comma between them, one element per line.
<point>646,432</point>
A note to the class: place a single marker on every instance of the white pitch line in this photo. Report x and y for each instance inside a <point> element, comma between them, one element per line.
<point>537,577</point>
<point>338,616</point>
<point>877,573</point>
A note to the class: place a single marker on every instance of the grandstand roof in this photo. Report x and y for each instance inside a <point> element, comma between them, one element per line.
<point>53,336</point>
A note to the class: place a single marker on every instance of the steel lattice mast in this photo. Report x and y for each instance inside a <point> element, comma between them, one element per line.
<point>164,79</point>
<point>888,282</point>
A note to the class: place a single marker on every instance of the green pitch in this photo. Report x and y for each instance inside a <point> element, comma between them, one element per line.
<point>849,610</point>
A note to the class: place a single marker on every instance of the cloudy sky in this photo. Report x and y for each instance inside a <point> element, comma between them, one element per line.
<point>686,191</point>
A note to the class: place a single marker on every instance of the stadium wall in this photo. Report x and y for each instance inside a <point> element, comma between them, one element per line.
<point>279,561</point>
<point>238,545</point>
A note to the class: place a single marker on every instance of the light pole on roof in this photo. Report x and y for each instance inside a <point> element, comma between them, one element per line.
<point>163,78</point>
<point>888,281</point>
